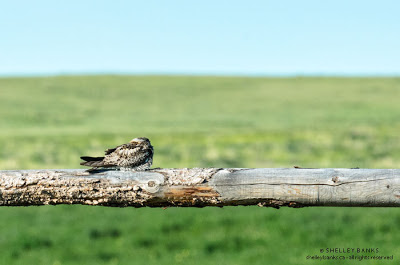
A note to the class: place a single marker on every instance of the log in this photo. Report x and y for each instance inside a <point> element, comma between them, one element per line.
<point>199,187</point>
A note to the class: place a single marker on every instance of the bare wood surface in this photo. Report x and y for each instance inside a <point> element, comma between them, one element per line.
<point>199,187</point>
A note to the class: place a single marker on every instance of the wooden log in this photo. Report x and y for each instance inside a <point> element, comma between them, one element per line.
<point>199,187</point>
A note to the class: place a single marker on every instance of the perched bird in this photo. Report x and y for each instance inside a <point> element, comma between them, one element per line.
<point>135,155</point>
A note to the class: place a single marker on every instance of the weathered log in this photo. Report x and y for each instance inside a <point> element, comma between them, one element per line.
<point>199,187</point>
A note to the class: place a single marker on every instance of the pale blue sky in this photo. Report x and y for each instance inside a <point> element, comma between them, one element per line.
<point>200,37</point>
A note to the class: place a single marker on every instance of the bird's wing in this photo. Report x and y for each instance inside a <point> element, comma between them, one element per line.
<point>121,147</point>
<point>131,153</point>
<point>109,151</point>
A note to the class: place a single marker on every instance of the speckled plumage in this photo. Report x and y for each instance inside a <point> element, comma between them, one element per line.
<point>135,155</point>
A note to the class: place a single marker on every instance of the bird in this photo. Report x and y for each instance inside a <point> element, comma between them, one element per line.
<point>137,155</point>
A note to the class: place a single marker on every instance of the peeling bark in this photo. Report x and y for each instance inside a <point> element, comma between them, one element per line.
<point>199,187</point>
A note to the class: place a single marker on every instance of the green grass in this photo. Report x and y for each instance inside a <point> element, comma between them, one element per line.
<point>198,122</point>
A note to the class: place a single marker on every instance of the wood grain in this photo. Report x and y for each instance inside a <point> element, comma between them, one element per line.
<point>199,187</point>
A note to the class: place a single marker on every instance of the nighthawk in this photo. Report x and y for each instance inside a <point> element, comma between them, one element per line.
<point>135,155</point>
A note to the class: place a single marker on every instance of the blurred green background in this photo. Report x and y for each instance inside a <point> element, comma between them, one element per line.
<point>48,122</point>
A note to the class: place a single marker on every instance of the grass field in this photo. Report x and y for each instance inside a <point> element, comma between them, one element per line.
<point>198,122</point>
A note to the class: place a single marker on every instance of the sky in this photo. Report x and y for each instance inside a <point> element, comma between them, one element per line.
<point>211,37</point>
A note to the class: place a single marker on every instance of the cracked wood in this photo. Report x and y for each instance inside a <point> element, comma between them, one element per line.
<point>199,187</point>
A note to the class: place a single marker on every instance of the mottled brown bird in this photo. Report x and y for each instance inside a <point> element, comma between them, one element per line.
<point>135,155</point>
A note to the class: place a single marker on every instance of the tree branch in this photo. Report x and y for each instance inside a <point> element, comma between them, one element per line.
<point>199,187</point>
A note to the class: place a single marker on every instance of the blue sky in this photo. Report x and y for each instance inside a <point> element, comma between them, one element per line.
<point>200,37</point>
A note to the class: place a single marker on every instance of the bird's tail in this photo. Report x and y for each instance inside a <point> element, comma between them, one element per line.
<point>92,161</point>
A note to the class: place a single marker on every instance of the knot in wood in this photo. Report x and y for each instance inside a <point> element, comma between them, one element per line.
<point>335,179</point>
<point>151,186</point>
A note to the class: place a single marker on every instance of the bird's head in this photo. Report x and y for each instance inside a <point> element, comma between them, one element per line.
<point>140,140</point>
